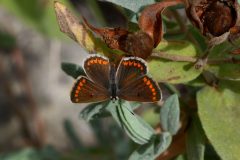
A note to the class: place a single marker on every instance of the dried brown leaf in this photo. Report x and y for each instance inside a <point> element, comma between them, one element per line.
<point>137,44</point>
<point>214,18</point>
<point>70,25</point>
<point>150,20</point>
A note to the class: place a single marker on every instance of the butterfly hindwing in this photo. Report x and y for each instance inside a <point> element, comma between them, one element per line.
<point>84,91</point>
<point>142,89</point>
<point>129,69</point>
<point>97,69</point>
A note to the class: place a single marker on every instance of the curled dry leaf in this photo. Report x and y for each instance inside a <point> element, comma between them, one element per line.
<point>140,43</point>
<point>70,25</point>
<point>137,44</point>
<point>216,19</point>
<point>150,20</point>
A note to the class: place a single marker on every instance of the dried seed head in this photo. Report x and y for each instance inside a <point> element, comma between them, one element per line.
<point>213,17</point>
<point>218,18</point>
<point>138,44</point>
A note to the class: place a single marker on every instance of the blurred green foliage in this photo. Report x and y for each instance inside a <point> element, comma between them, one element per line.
<point>39,14</point>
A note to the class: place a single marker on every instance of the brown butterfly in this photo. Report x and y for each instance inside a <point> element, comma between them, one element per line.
<point>128,81</point>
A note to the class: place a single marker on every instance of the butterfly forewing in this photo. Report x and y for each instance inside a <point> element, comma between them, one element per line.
<point>84,91</point>
<point>97,69</point>
<point>143,89</point>
<point>130,69</point>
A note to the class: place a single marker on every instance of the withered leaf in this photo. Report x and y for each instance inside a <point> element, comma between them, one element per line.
<point>111,36</point>
<point>137,44</point>
<point>150,20</point>
<point>70,25</point>
<point>214,18</point>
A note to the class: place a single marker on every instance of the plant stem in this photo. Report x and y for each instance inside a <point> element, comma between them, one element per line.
<point>178,58</point>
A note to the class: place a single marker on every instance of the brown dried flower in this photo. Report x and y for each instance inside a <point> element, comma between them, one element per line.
<point>214,18</point>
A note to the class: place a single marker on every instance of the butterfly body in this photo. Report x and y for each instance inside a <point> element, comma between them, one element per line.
<point>105,80</point>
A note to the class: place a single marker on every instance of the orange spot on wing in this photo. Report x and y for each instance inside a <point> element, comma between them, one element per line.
<point>151,86</point>
<point>139,65</point>
<point>77,100</point>
<point>105,62</point>
<point>154,93</point>
<point>130,63</point>
<point>77,91</point>
<point>153,90</point>
<point>154,98</point>
<point>125,63</point>
<point>148,82</point>
<point>100,61</point>
<point>78,88</point>
<point>95,60</point>
<point>145,79</point>
<point>141,68</point>
<point>76,95</point>
<point>84,81</point>
<point>135,64</point>
<point>91,61</point>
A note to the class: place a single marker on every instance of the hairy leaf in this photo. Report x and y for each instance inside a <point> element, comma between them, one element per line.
<point>134,6</point>
<point>174,72</point>
<point>94,110</point>
<point>219,110</point>
<point>151,150</point>
<point>225,70</point>
<point>72,70</point>
<point>195,141</point>
<point>138,130</point>
<point>170,114</point>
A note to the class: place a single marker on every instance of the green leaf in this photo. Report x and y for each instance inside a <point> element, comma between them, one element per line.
<point>134,6</point>
<point>94,110</point>
<point>227,71</point>
<point>162,143</point>
<point>200,39</point>
<point>195,140</point>
<point>72,70</point>
<point>170,114</point>
<point>181,157</point>
<point>153,149</point>
<point>171,71</point>
<point>144,152</point>
<point>138,130</point>
<point>219,110</point>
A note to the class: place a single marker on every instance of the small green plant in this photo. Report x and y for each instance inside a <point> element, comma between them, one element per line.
<point>199,68</point>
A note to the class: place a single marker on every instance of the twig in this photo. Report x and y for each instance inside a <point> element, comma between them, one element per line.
<point>231,60</point>
<point>176,58</point>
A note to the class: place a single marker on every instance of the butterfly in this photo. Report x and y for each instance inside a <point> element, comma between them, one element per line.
<point>104,80</point>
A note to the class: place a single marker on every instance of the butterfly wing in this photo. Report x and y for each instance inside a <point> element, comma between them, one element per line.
<point>85,91</point>
<point>97,69</point>
<point>132,82</point>
<point>130,69</point>
<point>143,89</point>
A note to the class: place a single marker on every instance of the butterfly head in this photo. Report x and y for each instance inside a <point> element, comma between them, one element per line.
<point>113,98</point>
